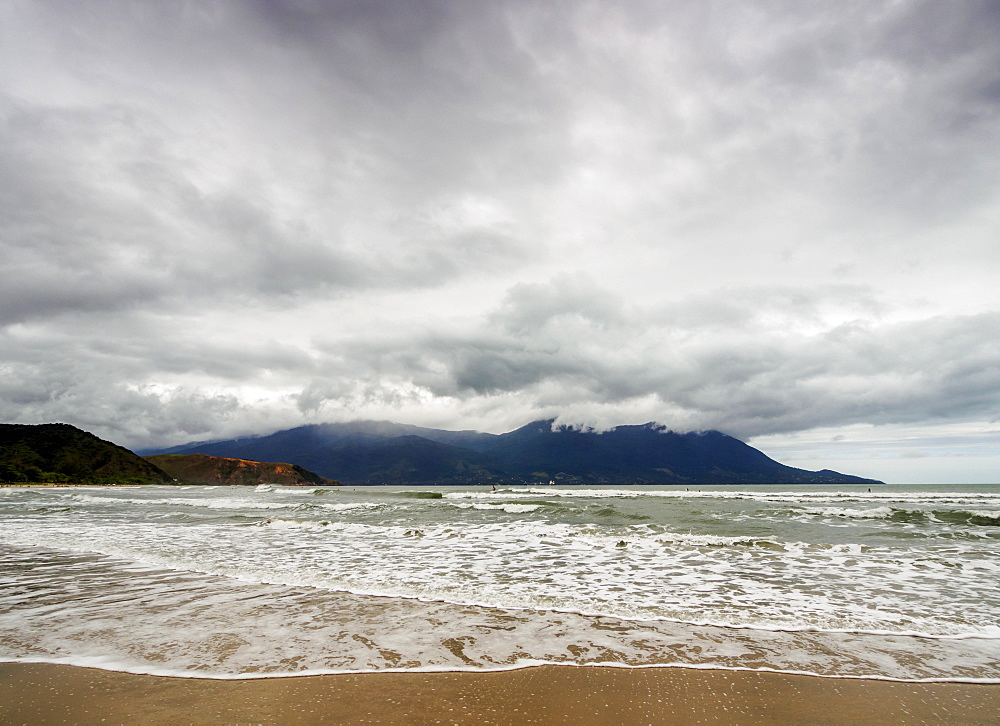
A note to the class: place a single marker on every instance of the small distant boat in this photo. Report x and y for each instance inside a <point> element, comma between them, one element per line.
<point>263,488</point>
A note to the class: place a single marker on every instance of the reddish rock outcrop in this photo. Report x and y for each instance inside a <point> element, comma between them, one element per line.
<point>203,469</point>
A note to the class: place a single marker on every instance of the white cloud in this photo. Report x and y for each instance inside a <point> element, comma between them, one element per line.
<point>771,219</point>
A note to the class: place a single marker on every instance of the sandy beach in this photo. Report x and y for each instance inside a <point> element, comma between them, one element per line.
<point>56,694</point>
<point>182,583</point>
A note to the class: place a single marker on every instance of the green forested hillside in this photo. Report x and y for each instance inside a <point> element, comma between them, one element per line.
<point>63,454</point>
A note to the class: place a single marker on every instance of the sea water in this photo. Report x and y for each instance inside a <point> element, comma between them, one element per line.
<point>894,582</point>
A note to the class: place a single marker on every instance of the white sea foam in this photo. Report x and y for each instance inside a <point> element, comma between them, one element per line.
<point>511,508</point>
<point>906,507</point>
<point>250,630</point>
<point>673,576</point>
<point>532,563</point>
<point>873,513</point>
<point>295,524</point>
<point>349,506</point>
<point>221,503</point>
<point>993,514</point>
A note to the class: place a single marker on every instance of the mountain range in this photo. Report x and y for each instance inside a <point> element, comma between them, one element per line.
<point>382,452</point>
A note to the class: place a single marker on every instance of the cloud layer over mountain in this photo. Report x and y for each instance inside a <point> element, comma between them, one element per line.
<point>774,219</point>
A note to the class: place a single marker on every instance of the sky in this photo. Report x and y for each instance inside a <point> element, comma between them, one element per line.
<point>780,220</point>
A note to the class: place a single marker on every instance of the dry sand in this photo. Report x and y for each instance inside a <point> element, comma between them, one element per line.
<point>54,694</point>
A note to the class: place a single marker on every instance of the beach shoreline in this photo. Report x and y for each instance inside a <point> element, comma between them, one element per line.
<point>39,693</point>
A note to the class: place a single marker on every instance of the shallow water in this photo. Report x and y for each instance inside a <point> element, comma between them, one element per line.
<point>899,582</point>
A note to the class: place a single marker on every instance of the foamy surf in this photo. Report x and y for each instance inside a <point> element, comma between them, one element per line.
<point>379,579</point>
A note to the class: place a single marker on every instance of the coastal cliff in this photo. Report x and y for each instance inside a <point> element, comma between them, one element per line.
<point>203,469</point>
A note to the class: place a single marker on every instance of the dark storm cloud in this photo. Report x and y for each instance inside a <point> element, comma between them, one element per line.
<point>96,216</point>
<point>105,207</point>
<point>530,307</point>
<point>759,217</point>
<point>744,378</point>
<point>135,344</point>
<point>100,403</point>
<point>883,109</point>
<point>415,102</point>
<point>90,377</point>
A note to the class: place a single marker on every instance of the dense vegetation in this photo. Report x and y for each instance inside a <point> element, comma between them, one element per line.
<point>60,453</point>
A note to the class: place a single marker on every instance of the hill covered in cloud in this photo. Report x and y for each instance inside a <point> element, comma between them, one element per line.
<point>386,453</point>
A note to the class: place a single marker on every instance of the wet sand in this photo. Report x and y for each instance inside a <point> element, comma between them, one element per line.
<point>55,694</point>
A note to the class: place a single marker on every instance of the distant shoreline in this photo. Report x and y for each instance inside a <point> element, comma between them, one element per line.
<point>53,485</point>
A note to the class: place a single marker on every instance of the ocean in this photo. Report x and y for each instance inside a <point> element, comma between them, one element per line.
<point>896,582</point>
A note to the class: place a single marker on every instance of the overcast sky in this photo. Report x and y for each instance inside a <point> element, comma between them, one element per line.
<point>776,219</point>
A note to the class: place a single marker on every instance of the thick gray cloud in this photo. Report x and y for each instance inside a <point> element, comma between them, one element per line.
<point>562,351</point>
<point>771,218</point>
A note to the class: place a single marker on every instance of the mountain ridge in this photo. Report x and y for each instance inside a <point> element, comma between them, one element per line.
<point>383,452</point>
